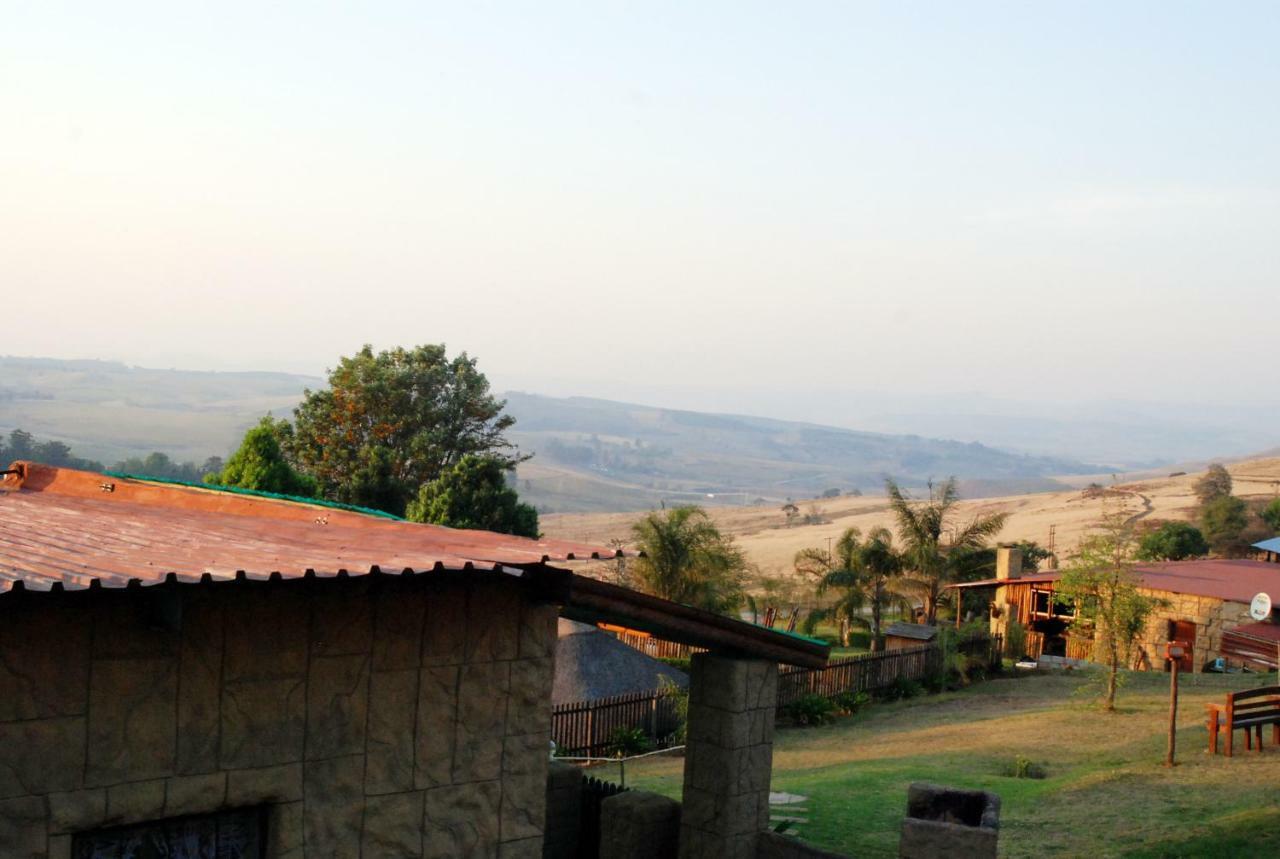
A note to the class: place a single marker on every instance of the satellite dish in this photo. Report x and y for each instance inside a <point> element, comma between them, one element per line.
<point>1260,608</point>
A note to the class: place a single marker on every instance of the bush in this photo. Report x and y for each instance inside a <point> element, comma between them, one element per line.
<point>625,742</point>
<point>810,710</point>
<point>1172,541</point>
<point>852,702</point>
<point>1015,639</point>
<point>1024,767</point>
<point>901,689</point>
<point>682,663</point>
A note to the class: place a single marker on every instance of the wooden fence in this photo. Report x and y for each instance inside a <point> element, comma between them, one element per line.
<point>587,728</point>
<point>867,672</point>
<point>656,647</point>
<point>594,792</point>
<point>1077,647</point>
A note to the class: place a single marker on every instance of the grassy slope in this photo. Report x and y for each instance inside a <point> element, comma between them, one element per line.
<point>1107,793</point>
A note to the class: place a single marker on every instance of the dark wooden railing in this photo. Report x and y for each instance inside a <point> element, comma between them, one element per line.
<point>587,728</point>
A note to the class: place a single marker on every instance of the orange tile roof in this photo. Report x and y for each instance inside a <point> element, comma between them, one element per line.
<point>66,528</point>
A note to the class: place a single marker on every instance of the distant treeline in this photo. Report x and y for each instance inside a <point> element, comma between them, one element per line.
<point>23,445</point>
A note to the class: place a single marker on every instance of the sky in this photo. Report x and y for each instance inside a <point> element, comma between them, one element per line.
<point>785,209</point>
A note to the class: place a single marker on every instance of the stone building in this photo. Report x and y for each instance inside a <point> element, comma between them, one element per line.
<point>1199,601</point>
<point>190,668</point>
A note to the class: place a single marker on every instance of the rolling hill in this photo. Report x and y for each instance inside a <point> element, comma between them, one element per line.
<point>590,454</point>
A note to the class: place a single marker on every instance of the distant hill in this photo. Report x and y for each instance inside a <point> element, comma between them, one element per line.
<point>110,411</point>
<point>591,454</point>
<point>587,448</point>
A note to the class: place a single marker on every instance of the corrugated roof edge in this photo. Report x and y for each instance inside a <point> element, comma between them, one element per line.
<point>256,493</point>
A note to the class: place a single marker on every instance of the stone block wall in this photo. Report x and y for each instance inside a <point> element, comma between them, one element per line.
<point>378,716</point>
<point>1210,615</point>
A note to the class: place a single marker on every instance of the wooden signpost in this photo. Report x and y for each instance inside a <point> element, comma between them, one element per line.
<point>1173,652</point>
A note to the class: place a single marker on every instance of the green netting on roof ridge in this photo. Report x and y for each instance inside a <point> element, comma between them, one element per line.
<point>258,493</point>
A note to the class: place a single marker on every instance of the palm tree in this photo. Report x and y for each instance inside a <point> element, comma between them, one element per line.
<point>686,559</point>
<point>860,573</point>
<point>929,539</point>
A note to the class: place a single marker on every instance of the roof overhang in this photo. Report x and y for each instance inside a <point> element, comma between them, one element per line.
<point>593,601</point>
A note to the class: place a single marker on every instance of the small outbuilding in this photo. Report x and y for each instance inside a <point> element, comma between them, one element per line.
<point>899,635</point>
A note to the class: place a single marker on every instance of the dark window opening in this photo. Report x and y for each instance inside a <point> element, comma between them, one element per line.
<point>236,834</point>
<point>1045,605</point>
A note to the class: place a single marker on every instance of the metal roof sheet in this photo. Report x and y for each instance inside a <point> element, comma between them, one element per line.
<point>1230,580</point>
<point>67,528</point>
<point>1272,545</point>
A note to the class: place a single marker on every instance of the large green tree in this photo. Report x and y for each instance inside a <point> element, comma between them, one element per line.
<point>686,559</point>
<point>1101,581</point>
<point>1223,521</point>
<point>260,464</point>
<point>935,549</point>
<point>392,421</point>
<point>1172,541</point>
<point>474,493</point>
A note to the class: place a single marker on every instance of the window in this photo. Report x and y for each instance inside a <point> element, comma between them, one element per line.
<point>234,834</point>
<point>1040,606</point>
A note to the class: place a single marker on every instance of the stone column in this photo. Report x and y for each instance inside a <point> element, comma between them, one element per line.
<point>729,756</point>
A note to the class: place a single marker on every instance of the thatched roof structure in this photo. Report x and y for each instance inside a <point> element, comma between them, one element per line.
<point>591,663</point>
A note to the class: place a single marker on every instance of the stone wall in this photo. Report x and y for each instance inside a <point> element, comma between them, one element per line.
<point>374,716</point>
<point>1209,614</point>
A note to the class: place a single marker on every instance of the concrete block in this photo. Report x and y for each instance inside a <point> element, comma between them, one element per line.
<point>436,725</point>
<point>132,726</point>
<point>195,794</point>
<point>493,623</point>
<point>76,810</point>
<point>263,722</point>
<point>444,634</point>
<point>393,826</point>
<point>399,610</point>
<point>333,810</point>
<point>337,706</point>
<point>41,756</point>
<point>274,784</point>
<point>23,833</point>
<point>636,824</point>
<point>462,820</point>
<point>136,801</point>
<point>482,711</point>
<point>393,704</point>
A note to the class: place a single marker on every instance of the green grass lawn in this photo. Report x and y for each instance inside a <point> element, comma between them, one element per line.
<point>1106,793</point>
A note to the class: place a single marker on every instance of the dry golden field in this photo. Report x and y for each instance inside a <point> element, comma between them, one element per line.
<point>762,533</point>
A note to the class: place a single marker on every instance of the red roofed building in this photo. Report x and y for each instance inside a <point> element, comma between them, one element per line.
<point>1201,600</point>
<point>250,676</point>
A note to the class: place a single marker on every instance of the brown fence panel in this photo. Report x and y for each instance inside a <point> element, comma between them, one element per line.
<point>658,648</point>
<point>586,728</point>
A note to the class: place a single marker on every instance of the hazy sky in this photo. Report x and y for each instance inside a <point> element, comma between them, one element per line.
<point>748,206</point>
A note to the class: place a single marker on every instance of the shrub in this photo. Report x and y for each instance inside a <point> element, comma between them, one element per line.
<point>852,702</point>
<point>1015,639</point>
<point>1172,541</point>
<point>810,710</point>
<point>1024,767</point>
<point>901,689</point>
<point>625,742</point>
<point>682,663</point>
<point>681,698</point>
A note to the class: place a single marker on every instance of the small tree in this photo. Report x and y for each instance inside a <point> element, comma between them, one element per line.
<point>1101,581</point>
<point>1223,521</point>
<point>1215,483</point>
<point>686,559</point>
<point>1172,541</point>
<point>259,464</point>
<point>1271,515</point>
<point>474,494</point>
<point>934,548</point>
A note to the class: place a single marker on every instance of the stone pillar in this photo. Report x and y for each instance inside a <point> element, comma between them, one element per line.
<point>564,811</point>
<point>729,756</point>
<point>638,825</point>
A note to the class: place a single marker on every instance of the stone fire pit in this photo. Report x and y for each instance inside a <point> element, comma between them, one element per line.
<point>946,822</point>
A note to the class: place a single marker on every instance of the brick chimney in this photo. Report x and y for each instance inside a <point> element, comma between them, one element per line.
<point>1008,561</point>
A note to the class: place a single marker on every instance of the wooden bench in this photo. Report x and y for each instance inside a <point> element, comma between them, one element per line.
<point>1247,711</point>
